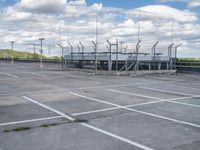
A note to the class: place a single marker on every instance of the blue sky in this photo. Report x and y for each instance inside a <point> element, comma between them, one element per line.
<point>123,3</point>
<point>24,21</point>
<point>119,3</point>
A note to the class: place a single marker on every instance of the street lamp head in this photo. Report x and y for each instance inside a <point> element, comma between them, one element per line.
<point>179,45</point>
<point>59,45</point>
<point>41,39</point>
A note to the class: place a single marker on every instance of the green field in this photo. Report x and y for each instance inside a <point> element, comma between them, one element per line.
<point>22,55</point>
<point>27,55</point>
<point>188,59</point>
<point>18,55</point>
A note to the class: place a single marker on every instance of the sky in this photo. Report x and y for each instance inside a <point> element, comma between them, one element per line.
<point>74,21</point>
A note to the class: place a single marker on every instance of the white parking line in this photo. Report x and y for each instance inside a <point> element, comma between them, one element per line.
<point>166,91</point>
<point>86,112</point>
<point>115,85</point>
<point>90,126</point>
<point>96,100</point>
<point>82,88</point>
<point>95,111</point>
<point>138,111</point>
<point>49,108</point>
<point>57,117</point>
<point>181,86</point>
<point>9,75</point>
<point>133,94</point>
<point>117,137</point>
<point>38,74</point>
<point>160,100</point>
<point>187,104</point>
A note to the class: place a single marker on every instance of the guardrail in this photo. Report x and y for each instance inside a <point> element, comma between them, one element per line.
<point>188,67</point>
<point>33,60</point>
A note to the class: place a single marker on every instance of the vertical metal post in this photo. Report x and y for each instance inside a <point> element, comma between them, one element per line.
<point>139,17</point>
<point>117,46</point>
<point>82,47</point>
<point>72,49</point>
<point>171,59</point>
<point>172,36</point>
<point>34,48</point>
<point>62,54</point>
<point>95,55</point>
<point>41,52</point>
<point>97,41</point>
<point>176,49</point>
<point>154,54</point>
<point>137,52</point>
<point>62,59</point>
<point>110,56</point>
<point>125,49</point>
<point>78,48</point>
<point>170,55</point>
<point>12,46</point>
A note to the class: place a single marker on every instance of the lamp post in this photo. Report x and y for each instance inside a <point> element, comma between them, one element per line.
<point>176,50</point>
<point>170,54</point>
<point>137,53</point>
<point>62,59</point>
<point>41,52</point>
<point>153,53</point>
<point>12,46</point>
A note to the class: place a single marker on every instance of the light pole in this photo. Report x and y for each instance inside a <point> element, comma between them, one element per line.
<point>41,52</point>
<point>71,48</point>
<point>82,48</point>
<point>95,56</point>
<point>170,54</point>
<point>176,49</point>
<point>153,53</point>
<point>62,53</point>
<point>137,53</point>
<point>12,45</point>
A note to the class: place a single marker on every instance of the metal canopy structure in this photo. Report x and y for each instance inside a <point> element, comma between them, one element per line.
<point>121,61</point>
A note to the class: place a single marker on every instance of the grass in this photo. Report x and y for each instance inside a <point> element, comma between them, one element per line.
<point>48,125</point>
<point>188,59</point>
<point>23,55</point>
<point>17,129</point>
<point>20,129</point>
<point>19,55</point>
<point>6,130</point>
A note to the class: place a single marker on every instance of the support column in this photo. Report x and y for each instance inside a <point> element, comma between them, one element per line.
<point>159,66</point>
<point>149,66</point>
<point>167,65</point>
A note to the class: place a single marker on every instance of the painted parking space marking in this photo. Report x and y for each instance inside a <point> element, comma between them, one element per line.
<point>73,89</point>
<point>38,74</point>
<point>138,111</point>
<point>160,100</point>
<point>8,74</point>
<point>90,126</point>
<point>167,91</point>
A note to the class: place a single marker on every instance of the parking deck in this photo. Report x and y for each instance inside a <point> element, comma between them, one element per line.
<point>42,109</point>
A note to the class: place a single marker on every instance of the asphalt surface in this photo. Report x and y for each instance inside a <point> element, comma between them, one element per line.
<point>42,109</point>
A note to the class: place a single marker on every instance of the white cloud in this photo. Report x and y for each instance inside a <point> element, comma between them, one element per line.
<point>43,6</point>
<point>164,12</point>
<point>194,3</point>
<point>23,23</point>
<point>190,3</point>
<point>77,2</point>
<point>10,14</point>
